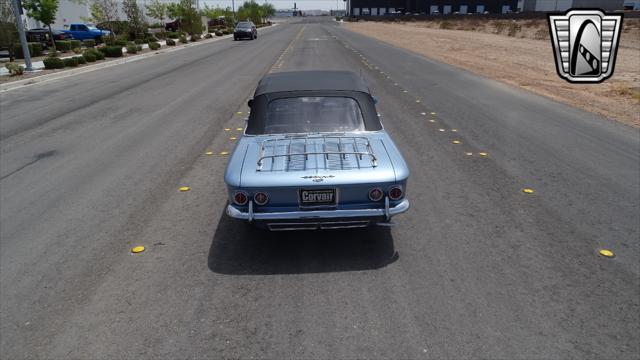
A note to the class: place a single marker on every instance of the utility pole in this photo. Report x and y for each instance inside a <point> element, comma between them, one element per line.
<point>17,10</point>
<point>233,8</point>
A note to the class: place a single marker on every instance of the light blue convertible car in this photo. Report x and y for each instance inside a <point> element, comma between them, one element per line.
<point>314,155</point>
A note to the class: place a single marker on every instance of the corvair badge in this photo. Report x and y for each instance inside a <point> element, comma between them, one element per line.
<point>318,178</point>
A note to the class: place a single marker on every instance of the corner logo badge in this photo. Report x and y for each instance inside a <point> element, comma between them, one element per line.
<point>585,43</point>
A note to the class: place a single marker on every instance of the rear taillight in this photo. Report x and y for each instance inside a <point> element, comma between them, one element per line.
<point>376,194</point>
<point>240,198</point>
<point>260,198</point>
<point>395,193</point>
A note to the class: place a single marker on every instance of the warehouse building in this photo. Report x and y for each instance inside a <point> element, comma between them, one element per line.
<point>444,7</point>
<point>563,5</point>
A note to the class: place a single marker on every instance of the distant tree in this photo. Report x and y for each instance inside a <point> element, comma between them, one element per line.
<point>250,10</point>
<point>43,11</point>
<point>104,11</point>
<point>157,10</point>
<point>217,12</point>
<point>8,29</point>
<point>268,10</point>
<point>173,11</point>
<point>188,15</point>
<point>135,17</point>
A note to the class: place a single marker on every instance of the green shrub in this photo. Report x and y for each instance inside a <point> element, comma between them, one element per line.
<point>112,51</point>
<point>70,62</point>
<point>89,43</point>
<point>219,33</point>
<point>139,41</point>
<point>89,56</point>
<point>118,42</point>
<point>77,50</point>
<point>81,60</point>
<point>53,63</point>
<point>151,39</point>
<point>226,32</point>
<point>99,55</point>
<point>14,69</point>
<point>63,45</point>
<point>171,42</point>
<point>154,46</point>
<point>35,49</point>
<point>195,37</point>
<point>183,39</point>
<point>132,49</point>
<point>208,36</point>
<point>139,47</point>
<point>173,35</point>
<point>75,43</point>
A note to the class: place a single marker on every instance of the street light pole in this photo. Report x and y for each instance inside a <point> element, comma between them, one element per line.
<point>233,9</point>
<point>17,10</point>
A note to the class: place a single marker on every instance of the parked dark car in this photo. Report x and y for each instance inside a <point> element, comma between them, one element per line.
<point>219,21</point>
<point>245,29</point>
<point>41,36</point>
<point>172,26</point>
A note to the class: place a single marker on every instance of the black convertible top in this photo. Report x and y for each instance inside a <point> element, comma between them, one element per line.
<point>311,81</point>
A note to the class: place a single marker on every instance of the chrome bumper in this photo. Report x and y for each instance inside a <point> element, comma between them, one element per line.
<point>385,213</point>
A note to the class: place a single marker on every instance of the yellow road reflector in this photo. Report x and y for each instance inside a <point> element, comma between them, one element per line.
<point>239,113</point>
<point>456,142</point>
<point>184,188</point>
<point>417,101</point>
<point>227,129</point>
<point>224,153</point>
<point>423,113</point>
<point>209,153</point>
<point>239,129</point>
<point>404,91</point>
<point>469,153</point>
<point>528,191</point>
<point>483,154</point>
<point>441,130</point>
<point>431,121</point>
<point>137,249</point>
<point>233,138</point>
<point>395,84</point>
<point>454,130</point>
<point>433,113</point>
<point>606,253</point>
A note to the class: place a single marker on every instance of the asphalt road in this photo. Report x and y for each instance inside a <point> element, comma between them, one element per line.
<point>90,166</point>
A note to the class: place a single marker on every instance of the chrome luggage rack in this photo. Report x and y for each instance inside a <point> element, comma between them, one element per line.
<point>341,141</point>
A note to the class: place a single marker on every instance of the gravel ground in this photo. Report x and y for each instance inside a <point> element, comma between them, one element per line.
<point>522,62</point>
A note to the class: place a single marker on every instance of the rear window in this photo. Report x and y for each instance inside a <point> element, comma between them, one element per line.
<point>313,114</point>
<point>244,25</point>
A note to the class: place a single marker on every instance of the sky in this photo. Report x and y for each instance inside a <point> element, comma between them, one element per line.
<point>284,4</point>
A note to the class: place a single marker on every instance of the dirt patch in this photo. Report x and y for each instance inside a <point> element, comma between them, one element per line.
<point>519,53</point>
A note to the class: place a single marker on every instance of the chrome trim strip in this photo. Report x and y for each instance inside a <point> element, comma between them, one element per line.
<point>320,214</point>
<point>386,208</point>
<point>318,225</point>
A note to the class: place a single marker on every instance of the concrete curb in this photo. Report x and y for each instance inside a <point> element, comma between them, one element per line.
<point>75,71</point>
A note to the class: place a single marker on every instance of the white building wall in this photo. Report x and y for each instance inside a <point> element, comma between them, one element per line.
<point>70,13</point>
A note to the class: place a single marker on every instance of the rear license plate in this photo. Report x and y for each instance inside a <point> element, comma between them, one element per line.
<point>318,197</point>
